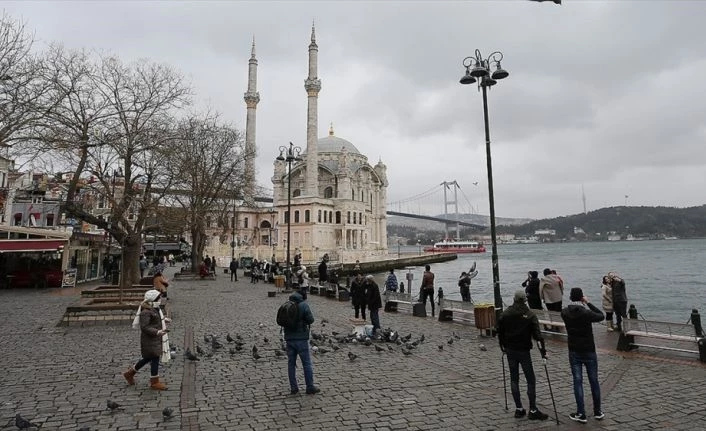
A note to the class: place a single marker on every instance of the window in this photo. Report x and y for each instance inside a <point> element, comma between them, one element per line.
<point>353,194</point>
<point>338,217</point>
<point>286,216</point>
<point>296,216</point>
<point>360,218</point>
<point>362,196</point>
<point>349,217</point>
<point>307,216</point>
<point>296,193</point>
<point>245,222</point>
<point>328,192</point>
<point>101,202</point>
<point>18,219</point>
<point>50,219</point>
<point>355,218</point>
<point>318,218</point>
<point>330,217</point>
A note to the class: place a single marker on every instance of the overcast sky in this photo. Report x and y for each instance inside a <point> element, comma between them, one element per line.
<point>608,96</point>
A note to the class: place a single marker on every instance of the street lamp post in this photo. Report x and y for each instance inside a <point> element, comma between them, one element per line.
<point>478,69</point>
<point>232,234</point>
<point>289,154</point>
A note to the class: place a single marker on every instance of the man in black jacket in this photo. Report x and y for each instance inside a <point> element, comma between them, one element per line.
<point>579,317</point>
<point>516,328</point>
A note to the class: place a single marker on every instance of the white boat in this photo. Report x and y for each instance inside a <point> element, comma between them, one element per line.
<point>449,246</point>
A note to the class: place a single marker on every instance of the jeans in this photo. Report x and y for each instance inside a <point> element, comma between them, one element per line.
<point>359,308</point>
<point>299,348</point>
<point>620,309</point>
<point>515,359</point>
<point>430,294</point>
<point>375,318</point>
<point>154,365</point>
<point>590,361</point>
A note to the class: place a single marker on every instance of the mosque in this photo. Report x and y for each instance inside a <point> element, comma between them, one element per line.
<point>338,199</point>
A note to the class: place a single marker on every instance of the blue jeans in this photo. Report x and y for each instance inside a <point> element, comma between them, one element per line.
<point>375,318</point>
<point>590,361</point>
<point>154,365</point>
<point>299,348</point>
<point>515,359</point>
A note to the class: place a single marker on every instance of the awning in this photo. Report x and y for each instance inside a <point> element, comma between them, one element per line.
<point>31,245</point>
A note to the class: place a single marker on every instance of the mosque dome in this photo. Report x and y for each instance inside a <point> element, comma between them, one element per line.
<point>334,144</point>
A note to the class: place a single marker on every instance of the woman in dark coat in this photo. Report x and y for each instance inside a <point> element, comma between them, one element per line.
<point>358,295</point>
<point>531,286</point>
<point>151,332</point>
<point>372,297</point>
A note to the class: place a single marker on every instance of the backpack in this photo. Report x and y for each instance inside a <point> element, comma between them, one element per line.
<point>288,314</point>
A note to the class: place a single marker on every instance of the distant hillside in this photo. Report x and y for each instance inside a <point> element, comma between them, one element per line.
<point>637,221</point>
<point>478,219</point>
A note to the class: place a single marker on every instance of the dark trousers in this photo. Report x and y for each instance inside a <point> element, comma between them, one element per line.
<point>154,365</point>
<point>515,359</point>
<point>466,294</point>
<point>589,360</point>
<point>428,293</point>
<point>234,275</point>
<point>359,309</point>
<point>621,311</point>
<point>375,318</point>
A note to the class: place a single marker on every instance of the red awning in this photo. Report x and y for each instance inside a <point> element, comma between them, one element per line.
<point>31,245</point>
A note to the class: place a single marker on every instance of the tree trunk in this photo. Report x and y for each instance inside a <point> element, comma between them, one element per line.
<point>132,248</point>
<point>197,247</point>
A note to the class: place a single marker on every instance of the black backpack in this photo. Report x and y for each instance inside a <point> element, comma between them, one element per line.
<point>288,314</point>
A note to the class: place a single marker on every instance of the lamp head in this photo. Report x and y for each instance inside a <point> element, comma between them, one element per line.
<point>281,156</point>
<point>479,71</point>
<point>487,81</point>
<point>499,72</point>
<point>467,78</point>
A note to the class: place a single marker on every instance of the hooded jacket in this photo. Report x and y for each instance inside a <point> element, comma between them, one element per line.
<point>618,285</point>
<point>517,326</point>
<point>579,319</point>
<point>358,291</point>
<point>150,323</point>
<point>306,318</point>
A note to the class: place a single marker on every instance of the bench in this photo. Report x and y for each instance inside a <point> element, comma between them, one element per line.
<point>550,321</point>
<point>193,276</point>
<point>394,299</point>
<point>668,334</point>
<point>450,309</point>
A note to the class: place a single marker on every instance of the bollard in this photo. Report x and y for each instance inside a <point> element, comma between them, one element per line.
<point>440,295</point>
<point>696,321</point>
<point>401,286</point>
<point>632,312</point>
<point>702,349</point>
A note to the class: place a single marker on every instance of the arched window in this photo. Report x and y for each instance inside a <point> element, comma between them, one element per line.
<point>286,216</point>
<point>296,216</point>
<point>318,217</point>
<point>307,216</point>
<point>348,220</point>
<point>296,193</point>
<point>362,196</point>
<point>245,222</point>
<point>355,218</point>
<point>328,192</point>
<point>352,194</point>
<point>360,217</point>
<point>338,217</point>
<point>330,217</point>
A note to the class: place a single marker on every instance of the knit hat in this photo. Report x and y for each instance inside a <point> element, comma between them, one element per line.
<point>576,294</point>
<point>520,296</point>
<point>152,295</point>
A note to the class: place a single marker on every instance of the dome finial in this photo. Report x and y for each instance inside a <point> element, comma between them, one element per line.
<point>330,129</point>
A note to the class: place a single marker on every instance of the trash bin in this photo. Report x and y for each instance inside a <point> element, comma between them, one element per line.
<point>279,280</point>
<point>115,277</point>
<point>484,316</point>
<point>702,349</point>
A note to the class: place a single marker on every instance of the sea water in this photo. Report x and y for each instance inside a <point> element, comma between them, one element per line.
<point>664,279</point>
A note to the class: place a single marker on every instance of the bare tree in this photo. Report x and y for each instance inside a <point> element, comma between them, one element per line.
<point>208,167</point>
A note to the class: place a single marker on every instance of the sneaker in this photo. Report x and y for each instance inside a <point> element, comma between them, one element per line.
<point>598,416</point>
<point>313,391</point>
<point>536,415</point>
<point>519,413</point>
<point>578,417</point>
<point>294,392</point>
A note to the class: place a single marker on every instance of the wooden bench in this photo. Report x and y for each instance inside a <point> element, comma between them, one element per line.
<point>550,321</point>
<point>450,310</point>
<point>669,334</point>
<point>394,299</point>
<point>193,276</point>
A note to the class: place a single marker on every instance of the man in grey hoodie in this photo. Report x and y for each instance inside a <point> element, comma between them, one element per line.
<point>551,289</point>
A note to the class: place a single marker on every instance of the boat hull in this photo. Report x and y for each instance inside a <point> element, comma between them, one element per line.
<point>455,250</point>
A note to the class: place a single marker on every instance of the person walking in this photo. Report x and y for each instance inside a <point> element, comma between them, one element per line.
<point>517,326</point>
<point>374,301</point>
<point>427,288</point>
<point>464,283</point>
<point>160,283</point>
<point>358,295</point>
<point>531,285</point>
<point>551,290</point>
<point>303,281</point>
<point>391,282</point>
<point>620,299</point>
<point>579,317</point>
<point>297,342</point>
<point>323,271</point>
<point>152,329</point>
<point>143,265</point>
<point>233,269</point>
<point>607,300</point>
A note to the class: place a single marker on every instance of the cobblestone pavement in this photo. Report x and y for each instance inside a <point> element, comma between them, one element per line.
<point>61,377</point>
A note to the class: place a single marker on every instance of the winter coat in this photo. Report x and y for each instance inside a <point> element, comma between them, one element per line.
<point>619,294</point>
<point>358,292</point>
<point>579,319</point>
<point>306,318</point>
<point>428,281</point>
<point>534,300</point>
<point>233,265</point>
<point>517,326</point>
<point>551,289</point>
<point>150,323</point>
<point>391,283</point>
<point>372,295</point>
<point>160,283</point>
<point>323,272</point>
<point>607,296</point>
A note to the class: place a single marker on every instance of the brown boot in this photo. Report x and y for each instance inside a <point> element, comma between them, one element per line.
<point>130,376</point>
<point>156,385</point>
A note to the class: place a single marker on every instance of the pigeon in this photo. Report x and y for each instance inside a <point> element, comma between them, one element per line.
<point>334,333</point>
<point>167,413</point>
<point>407,337</point>
<point>206,339</point>
<point>441,347</point>
<point>215,344</point>
<point>229,338</point>
<point>232,351</point>
<point>238,337</point>
<point>378,348</point>
<point>398,341</point>
<point>199,350</point>
<point>324,321</point>
<point>368,342</point>
<point>112,405</point>
<point>316,336</point>
<point>390,348</point>
<point>406,352</point>
<point>254,349</point>
<point>279,353</point>
<point>23,423</point>
<point>239,347</point>
<point>415,343</point>
<point>456,336</point>
<point>482,347</point>
<point>335,347</point>
<point>451,341</point>
<point>322,350</point>
<point>352,356</point>
<point>256,356</point>
<point>266,340</point>
<point>421,339</point>
<point>190,356</point>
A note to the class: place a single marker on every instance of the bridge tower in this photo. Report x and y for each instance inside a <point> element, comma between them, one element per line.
<point>446,185</point>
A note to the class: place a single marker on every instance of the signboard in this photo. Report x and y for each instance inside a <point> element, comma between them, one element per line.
<point>69,278</point>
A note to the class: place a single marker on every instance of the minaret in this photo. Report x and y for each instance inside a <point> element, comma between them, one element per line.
<point>312,85</point>
<point>252,97</point>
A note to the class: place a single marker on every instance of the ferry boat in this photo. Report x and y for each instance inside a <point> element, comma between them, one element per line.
<point>456,247</point>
